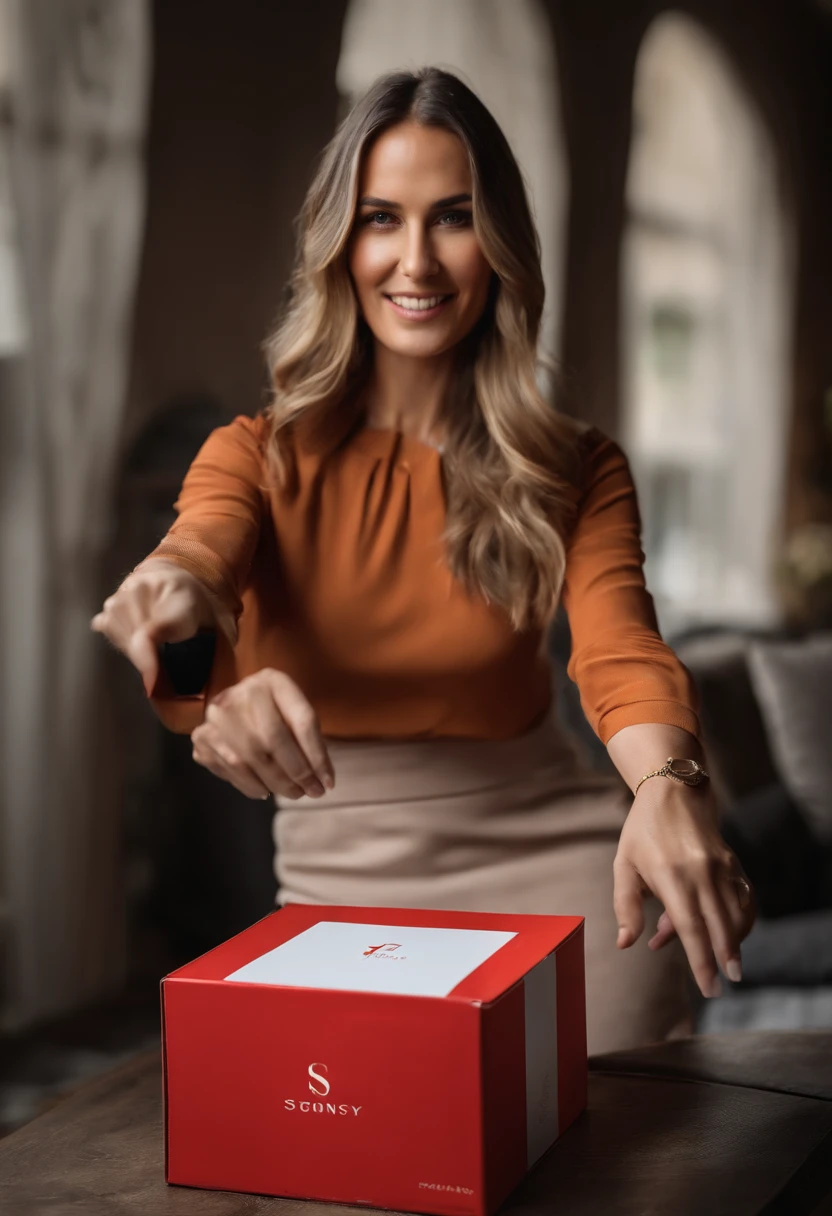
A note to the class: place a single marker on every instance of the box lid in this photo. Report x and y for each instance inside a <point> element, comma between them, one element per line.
<point>461,956</point>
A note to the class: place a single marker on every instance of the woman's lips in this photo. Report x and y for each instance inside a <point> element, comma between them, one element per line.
<point>419,314</point>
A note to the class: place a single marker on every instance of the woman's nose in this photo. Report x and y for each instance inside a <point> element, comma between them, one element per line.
<point>418,257</point>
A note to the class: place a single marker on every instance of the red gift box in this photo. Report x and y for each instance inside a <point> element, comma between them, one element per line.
<point>398,1058</point>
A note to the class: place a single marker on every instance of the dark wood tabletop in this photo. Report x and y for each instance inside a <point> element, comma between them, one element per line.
<point>716,1125</point>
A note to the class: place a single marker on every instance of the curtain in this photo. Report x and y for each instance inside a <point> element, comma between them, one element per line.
<point>77,89</point>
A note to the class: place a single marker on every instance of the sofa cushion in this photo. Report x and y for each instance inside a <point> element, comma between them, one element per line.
<point>733,731</point>
<point>790,951</point>
<point>793,683</point>
<point>769,834</point>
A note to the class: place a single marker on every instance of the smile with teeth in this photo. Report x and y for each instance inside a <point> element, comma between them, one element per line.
<point>418,303</point>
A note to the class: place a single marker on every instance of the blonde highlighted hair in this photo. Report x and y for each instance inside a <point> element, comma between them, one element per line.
<point>510,458</point>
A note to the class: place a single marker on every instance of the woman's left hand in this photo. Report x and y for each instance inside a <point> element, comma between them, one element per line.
<point>671,847</point>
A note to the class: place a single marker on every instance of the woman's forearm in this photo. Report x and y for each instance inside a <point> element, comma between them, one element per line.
<point>640,749</point>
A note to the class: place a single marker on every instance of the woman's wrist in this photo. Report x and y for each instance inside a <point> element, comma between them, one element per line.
<point>217,614</point>
<point>644,748</point>
<point>670,799</point>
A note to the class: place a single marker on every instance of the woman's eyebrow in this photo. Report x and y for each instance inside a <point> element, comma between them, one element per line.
<point>451,201</point>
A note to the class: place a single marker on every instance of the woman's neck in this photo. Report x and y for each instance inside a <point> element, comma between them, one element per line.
<point>407,394</point>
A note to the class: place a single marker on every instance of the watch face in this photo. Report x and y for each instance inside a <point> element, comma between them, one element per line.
<point>687,770</point>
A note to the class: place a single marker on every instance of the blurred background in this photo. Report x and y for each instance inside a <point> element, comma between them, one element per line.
<point>153,157</point>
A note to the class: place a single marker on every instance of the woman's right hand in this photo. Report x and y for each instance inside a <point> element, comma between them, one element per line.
<point>158,602</point>
<point>262,735</point>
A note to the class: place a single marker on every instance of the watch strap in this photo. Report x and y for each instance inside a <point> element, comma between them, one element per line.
<point>696,777</point>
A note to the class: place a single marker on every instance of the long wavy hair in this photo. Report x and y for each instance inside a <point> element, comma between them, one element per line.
<point>510,458</point>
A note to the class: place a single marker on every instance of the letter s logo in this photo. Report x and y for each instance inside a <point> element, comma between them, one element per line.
<point>322,1093</point>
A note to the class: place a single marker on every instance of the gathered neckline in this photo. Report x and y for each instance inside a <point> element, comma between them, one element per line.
<point>388,441</point>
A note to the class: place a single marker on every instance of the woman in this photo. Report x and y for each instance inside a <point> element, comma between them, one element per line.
<point>381,552</point>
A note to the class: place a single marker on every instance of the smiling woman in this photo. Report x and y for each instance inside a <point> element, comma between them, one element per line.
<point>419,271</point>
<point>382,606</point>
<point>418,198</point>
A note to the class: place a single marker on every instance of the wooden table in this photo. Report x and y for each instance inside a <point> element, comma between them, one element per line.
<point>716,1125</point>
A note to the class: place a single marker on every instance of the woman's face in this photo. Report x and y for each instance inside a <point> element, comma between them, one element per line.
<point>420,275</point>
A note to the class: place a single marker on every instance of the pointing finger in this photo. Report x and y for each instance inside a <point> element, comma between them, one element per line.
<point>303,722</point>
<point>142,653</point>
<point>685,912</point>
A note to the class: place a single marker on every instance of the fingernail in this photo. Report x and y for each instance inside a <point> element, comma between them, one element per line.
<point>733,969</point>
<point>328,781</point>
<point>314,789</point>
<point>716,987</point>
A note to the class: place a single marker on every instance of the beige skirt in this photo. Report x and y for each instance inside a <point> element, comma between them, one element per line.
<point>516,825</point>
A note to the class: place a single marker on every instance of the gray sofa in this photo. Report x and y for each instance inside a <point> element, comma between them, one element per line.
<point>764,701</point>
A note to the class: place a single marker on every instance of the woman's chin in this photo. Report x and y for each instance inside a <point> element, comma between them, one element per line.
<point>426,346</point>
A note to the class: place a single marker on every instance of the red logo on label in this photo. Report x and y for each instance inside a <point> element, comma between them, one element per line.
<point>387,947</point>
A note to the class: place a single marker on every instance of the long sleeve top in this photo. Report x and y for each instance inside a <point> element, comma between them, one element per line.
<point>341,584</point>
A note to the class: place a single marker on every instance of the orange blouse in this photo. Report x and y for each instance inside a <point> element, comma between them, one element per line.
<point>342,585</point>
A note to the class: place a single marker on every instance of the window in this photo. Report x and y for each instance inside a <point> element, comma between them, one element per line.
<point>12,317</point>
<point>707,287</point>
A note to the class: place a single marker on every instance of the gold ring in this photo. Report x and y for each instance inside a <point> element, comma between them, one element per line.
<point>745,885</point>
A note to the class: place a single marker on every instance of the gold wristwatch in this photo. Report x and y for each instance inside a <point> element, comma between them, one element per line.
<point>686,772</point>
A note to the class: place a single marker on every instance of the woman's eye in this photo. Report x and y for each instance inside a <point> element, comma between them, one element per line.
<point>457,219</point>
<point>448,219</point>
<point>378,218</point>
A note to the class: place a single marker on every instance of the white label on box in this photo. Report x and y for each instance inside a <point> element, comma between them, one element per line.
<point>375,958</point>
